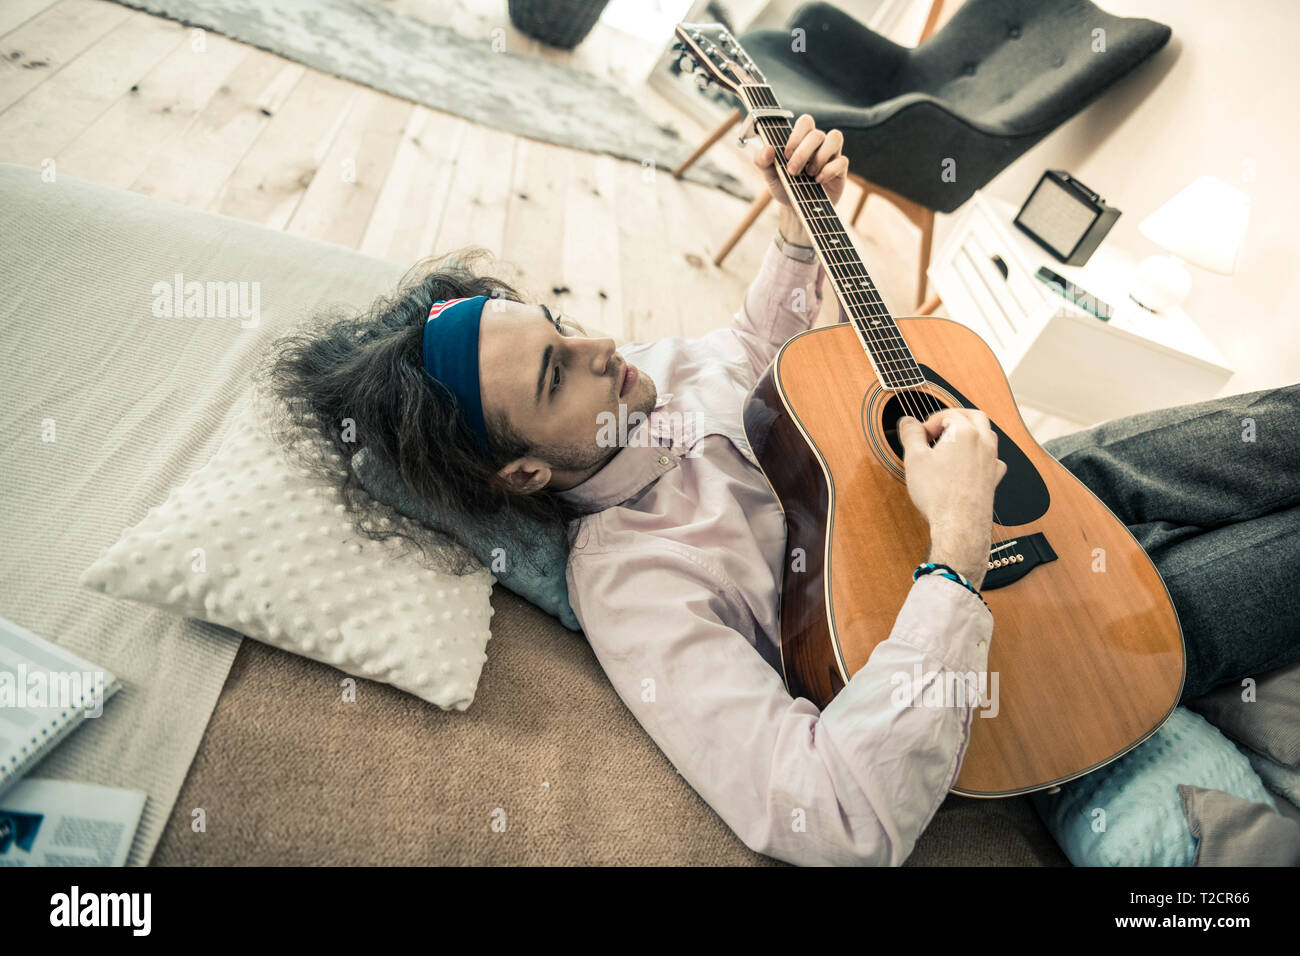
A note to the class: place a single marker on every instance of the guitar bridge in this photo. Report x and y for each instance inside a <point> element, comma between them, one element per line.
<point>1011,560</point>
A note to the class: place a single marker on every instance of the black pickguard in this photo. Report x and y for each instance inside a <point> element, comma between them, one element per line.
<point>1021,495</point>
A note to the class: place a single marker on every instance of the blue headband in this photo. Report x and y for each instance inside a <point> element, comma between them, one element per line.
<point>451,357</point>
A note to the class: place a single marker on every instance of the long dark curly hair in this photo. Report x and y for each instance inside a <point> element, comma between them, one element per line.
<point>368,368</point>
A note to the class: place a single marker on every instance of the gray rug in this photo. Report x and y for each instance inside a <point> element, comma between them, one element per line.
<point>438,67</point>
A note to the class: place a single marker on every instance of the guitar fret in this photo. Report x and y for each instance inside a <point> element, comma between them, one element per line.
<point>887,332</point>
<point>893,348</point>
<point>904,349</point>
<point>874,325</point>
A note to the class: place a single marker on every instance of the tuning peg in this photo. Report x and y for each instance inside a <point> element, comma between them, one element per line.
<point>687,63</point>
<point>747,130</point>
<point>703,81</point>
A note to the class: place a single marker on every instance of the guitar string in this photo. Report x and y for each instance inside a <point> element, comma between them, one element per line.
<point>778,129</point>
<point>896,366</point>
<point>804,190</point>
<point>761,95</point>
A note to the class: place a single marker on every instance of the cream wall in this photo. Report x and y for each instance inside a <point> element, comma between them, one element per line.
<point>1220,99</point>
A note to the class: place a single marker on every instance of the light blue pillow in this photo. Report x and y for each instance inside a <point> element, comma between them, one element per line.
<point>535,570</point>
<point>1129,813</point>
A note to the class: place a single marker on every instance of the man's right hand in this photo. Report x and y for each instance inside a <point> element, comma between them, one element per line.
<point>952,484</point>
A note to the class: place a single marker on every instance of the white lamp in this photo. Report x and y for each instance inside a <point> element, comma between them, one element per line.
<point>1205,225</point>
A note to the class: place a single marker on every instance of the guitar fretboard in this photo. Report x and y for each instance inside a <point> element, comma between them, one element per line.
<point>876,328</point>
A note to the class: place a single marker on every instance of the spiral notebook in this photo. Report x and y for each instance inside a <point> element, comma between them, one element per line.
<point>45,693</point>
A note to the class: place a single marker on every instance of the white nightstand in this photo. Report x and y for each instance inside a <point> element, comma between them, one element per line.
<point>1059,358</point>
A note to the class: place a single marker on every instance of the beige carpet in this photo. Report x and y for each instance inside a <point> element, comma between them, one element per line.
<point>290,774</point>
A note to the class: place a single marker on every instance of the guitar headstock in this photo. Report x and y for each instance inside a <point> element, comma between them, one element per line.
<point>711,53</point>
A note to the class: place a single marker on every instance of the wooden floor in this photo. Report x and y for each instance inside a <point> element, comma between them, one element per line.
<point>121,98</point>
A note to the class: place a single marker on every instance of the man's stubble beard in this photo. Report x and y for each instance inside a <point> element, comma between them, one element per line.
<point>579,457</point>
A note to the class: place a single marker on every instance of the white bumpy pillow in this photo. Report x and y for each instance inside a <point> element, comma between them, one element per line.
<point>253,543</point>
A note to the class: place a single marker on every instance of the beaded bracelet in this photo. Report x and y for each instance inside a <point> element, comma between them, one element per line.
<point>951,574</point>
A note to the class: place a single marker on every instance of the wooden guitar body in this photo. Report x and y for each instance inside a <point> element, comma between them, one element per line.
<point>1087,652</point>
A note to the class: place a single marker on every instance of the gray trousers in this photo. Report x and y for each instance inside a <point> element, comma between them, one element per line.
<point>1211,491</point>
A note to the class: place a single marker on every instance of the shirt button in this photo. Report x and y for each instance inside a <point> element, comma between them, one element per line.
<point>663,459</point>
<point>981,645</point>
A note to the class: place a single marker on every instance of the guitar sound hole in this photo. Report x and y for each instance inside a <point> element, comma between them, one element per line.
<point>920,405</point>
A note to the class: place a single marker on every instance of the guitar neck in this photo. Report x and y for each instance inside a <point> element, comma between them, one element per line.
<point>884,344</point>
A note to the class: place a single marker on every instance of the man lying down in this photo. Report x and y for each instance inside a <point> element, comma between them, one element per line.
<point>636,457</point>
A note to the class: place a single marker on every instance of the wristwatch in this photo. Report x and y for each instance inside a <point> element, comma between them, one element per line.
<point>794,250</point>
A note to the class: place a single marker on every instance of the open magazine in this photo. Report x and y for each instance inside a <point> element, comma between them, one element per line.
<point>58,823</point>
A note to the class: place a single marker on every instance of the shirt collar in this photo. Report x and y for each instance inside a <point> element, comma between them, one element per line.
<point>639,463</point>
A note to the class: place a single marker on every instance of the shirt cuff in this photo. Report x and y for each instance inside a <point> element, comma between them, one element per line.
<point>947,621</point>
<point>786,266</point>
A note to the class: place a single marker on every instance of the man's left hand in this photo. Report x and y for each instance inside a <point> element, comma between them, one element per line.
<point>810,151</point>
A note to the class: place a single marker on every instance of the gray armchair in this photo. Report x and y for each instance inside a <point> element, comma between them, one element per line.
<point>997,78</point>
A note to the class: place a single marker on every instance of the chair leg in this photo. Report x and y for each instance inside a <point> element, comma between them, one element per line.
<point>929,305</point>
<point>755,209</point>
<point>716,135</point>
<point>927,236</point>
<point>931,21</point>
<point>919,216</point>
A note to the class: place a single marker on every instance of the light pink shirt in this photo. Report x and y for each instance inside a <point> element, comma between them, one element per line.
<point>675,582</point>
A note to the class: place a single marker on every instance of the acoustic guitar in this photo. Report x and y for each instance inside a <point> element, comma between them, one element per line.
<point>1087,656</point>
